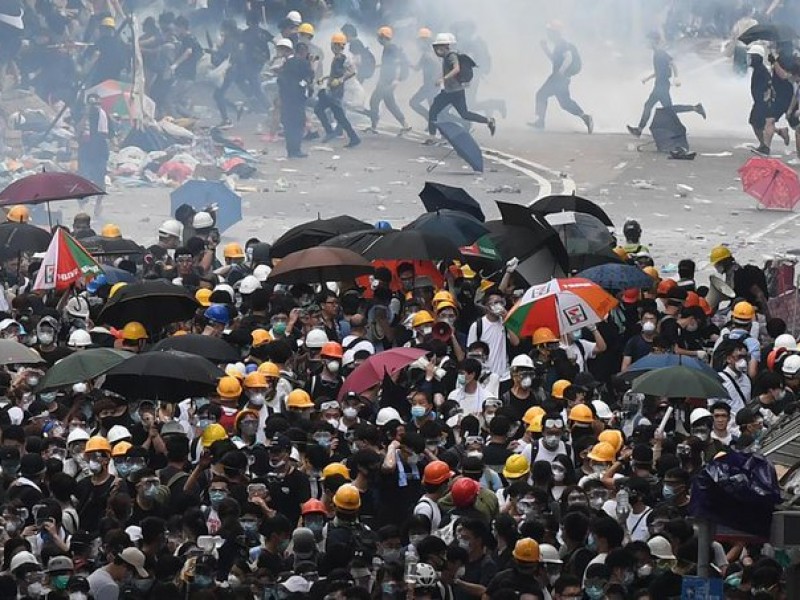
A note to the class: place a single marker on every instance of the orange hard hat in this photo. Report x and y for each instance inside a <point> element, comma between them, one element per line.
<point>437,473</point>
<point>664,286</point>
<point>331,350</point>
<point>313,506</point>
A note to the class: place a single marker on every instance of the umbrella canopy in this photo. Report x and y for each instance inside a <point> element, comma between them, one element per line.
<point>314,233</point>
<point>153,303</point>
<point>357,241</point>
<point>321,264</point>
<point>14,353</point>
<point>115,275</point>
<point>463,144</point>
<point>48,187</point>
<point>168,375</point>
<point>571,203</point>
<point>459,227</point>
<point>118,98</point>
<point>561,305</point>
<point>582,262</point>
<point>771,182</point>
<point>205,195</point>
<point>581,233</point>
<point>84,365</point>
<point>617,277</point>
<point>214,349</point>
<point>21,237</point>
<point>372,370</point>
<point>436,196</point>
<point>65,262</point>
<point>768,32</point>
<point>679,382</point>
<point>104,246</point>
<point>652,362</point>
<point>412,244</point>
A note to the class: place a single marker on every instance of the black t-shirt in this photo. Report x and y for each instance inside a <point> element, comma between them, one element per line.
<point>669,330</point>
<point>521,583</point>
<point>516,406</point>
<point>288,494</point>
<point>51,357</point>
<point>113,58</point>
<point>398,501</point>
<point>495,455</point>
<point>480,572</point>
<point>188,68</point>
<point>637,347</point>
<point>666,586</point>
<point>747,276</point>
<point>92,501</point>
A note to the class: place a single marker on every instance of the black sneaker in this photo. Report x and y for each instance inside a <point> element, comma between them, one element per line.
<point>700,110</point>
<point>634,131</point>
<point>762,150</point>
<point>431,141</point>
<point>353,143</point>
<point>492,126</point>
<point>403,130</point>
<point>328,137</point>
<point>589,123</point>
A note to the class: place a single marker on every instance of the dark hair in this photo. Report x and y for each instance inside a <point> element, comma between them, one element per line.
<point>720,405</point>
<point>776,326</point>
<point>686,268</point>
<point>471,365</point>
<point>766,381</point>
<point>608,529</point>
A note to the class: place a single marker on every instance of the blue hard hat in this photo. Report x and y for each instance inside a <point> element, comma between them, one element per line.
<point>95,284</point>
<point>250,368</point>
<point>383,226</point>
<point>218,313</point>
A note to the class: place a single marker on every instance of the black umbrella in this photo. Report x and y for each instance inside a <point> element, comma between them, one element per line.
<point>21,237</point>
<point>436,196</point>
<point>313,233</point>
<point>214,349</point>
<point>103,246</point>
<point>581,262</point>
<point>357,241</point>
<point>581,233</point>
<point>552,204</point>
<point>411,244</point>
<point>768,32</point>
<point>167,375</point>
<point>463,144</point>
<point>153,303</point>
<point>541,257</point>
<point>459,227</point>
<point>518,215</point>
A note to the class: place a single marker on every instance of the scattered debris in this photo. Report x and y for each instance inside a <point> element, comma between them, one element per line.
<point>504,189</point>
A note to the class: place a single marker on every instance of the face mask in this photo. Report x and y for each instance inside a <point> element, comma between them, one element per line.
<point>644,571</point>
<point>591,542</point>
<point>497,308</point>
<point>151,492</point>
<point>250,526</point>
<point>12,526</point>
<point>276,463</point>
<point>202,581</point>
<point>461,572</point>
<point>351,412</point>
<point>413,458</point>
<point>316,525</point>
<point>691,328</point>
<point>734,580</point>
<point>392,556</point>
<point>95,467</point>
<point>463,543</point>
<point>79,388</point>
<point>123,469</point>
<point>257,399</point>
<point>418,411</point>
<point>249,428</point>
<point>279,328</point>
<point>526,382</point>
<point>648,327</point>
<point>416,539</point>
<point>333,366</point>
<point>215,497</point>
<point>628,578</point>
<point>426,330</point>
<point>46,338</point>
<point>488,418</point>
<point>701,434</point>
<point>461,380</point>
<point>324,442</point>
<point>558,475</point>
<point>203,423</point>
<point>595,593</point>
<point>598,469</point>
<point>597,502</point>
<point>741,365</point>
<point>668,492</point>
<point>333,423</point>
<point>32,381</point>
<point>475,453</point>
<point>551,442</point>
<point>78,596</point>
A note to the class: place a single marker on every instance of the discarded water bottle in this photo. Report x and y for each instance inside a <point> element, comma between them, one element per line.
<point>411,565</point>
<point>623,506</point>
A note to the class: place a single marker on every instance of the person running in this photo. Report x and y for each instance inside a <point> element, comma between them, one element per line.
<point>782,93</point>
<point>663,69</point>
<point>566,64</point>
<point>429,68</point>
<point>761,92</point>
<point>342,70</point>
<point>452,93</point>
<point>228,50</point>
<point>393,70</point>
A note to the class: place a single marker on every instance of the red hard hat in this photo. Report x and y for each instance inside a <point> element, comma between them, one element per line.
<point>312,506</point>
<point>465,491</point>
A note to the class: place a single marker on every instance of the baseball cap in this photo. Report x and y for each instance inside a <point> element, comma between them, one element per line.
<point>135,558</point>
<point>60,563</point>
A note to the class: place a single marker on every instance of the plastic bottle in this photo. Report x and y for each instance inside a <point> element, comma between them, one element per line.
<point>411,565</point>
<point>623,506</point>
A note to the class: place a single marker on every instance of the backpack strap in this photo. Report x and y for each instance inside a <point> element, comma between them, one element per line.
<point>739,391</point>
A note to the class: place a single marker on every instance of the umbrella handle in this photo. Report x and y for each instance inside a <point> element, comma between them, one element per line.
<point>430,168</point>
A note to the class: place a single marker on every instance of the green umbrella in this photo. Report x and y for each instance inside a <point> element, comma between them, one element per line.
<point>14,353</point>
<point>679,382</point>
<point>82,365</point>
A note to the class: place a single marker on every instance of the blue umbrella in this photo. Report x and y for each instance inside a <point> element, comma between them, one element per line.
<point>114,275</point>
<point>652,362</point>
<point>616,277</point>
<point>463,144</point>
<point>201,195</point>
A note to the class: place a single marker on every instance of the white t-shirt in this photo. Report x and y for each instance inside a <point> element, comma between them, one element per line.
<point>471,404</point>
<point>494,336</point>
<point>588,348</point>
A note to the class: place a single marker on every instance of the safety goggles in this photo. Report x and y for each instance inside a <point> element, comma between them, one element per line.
<point>474,439</point>
<point>553,423</point>
<point>331,405</point>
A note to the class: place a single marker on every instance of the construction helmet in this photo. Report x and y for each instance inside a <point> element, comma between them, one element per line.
<point>719,253</point>
<point>531,413</point>
<point>269,369</point>
<point>111,231</point>
<point>558,388</point>
<point>331,350</point>
<point>436,473</point>
<point>115,288</point>
<point>19,214</point>
<point>121,449</point>
<point>213,433</point>
<point>171,228</point>
<point>743,311</point>
<point>306,28</point>
<point>260,337</point>
<point>118,433</point>
<point>424,33</point>
<point>653,273</point>
<point>516,466</point>
<point>347,497</point>
<point>336,468</point>
<point>442,296</point>
<point>580,413</point>
<point>108,22</point>
<point>426,575</point>
<point>97,444</point>
<point>443,39</point>
<point>613,437</point>
<point>229,387</point>
<point>522,361</point>
<point>233,250</point>
<point>785,340</point>
<point>299,399</point>
<point>338,38</point>
<point>543,335</point>
<point>316,339</point>
<point>665,285</point>
<point>696,415</point>
<point>791,366</point>
<point>386,32</point>
<point>134,331</point>
<point>79,338</point>
<point>202,220</point>
<point>77,435</point>
<point>421,317</point>
<point>312,506</point>
<point>526,550</point>
<point>294,17</point>
<point>444,304</point>
<point>603,452</point>
<point>464,492</point>
<point>203,296</point>
<point>535,426</point>
<point>255,379</point>
<point>217,313</point>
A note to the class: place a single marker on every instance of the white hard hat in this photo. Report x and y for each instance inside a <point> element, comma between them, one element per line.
<point>660,548</point>
<point>758,49</point>
<point>202,220</point>
<point>785,340</point>
<point>118,433</point>
<point>6,323</point>
<point>549,554</point>
<point>387,414</point>
<point>224,287</point>
<point>444,39</point>
<point>261,272</point>
<point>295,17</point>
<point>248,285</point>
<point>602,410</point>
<point>522,361</point>
<point>285,43</point>
<point>171,227</point>
<point>78,307</point>
<point>791,365</point>
<point>697,414</point>
<point>349,357</point>
<point>316,338</point>
<point>78,435</point>
<point>22,558</point>
<point>79,338</point>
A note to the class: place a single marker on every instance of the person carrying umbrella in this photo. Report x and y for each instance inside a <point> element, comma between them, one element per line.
<point>134,337</point>
<point>453,88</point>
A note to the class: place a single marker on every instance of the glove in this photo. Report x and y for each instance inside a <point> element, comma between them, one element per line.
<point>335,83</point>
<point>676,82</point>
<point>702,355</point>
<point>512,265</point>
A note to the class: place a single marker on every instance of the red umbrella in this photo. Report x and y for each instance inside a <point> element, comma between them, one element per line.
<point>771,182</point>
<point>372,370</point>
<point>48,187</point>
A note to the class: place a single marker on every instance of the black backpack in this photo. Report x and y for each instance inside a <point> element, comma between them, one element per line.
<point>466,68</point>
<point>576,65</point>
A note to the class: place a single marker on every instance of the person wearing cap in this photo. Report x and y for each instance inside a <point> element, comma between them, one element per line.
<point>59,570</point>
<point>25,568</point>
<point>641,344</point>
<point>106,582</point>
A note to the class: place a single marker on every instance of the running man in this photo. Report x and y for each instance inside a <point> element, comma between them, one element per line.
<point>332,98</point>
<point>429,67</point>
<point>393,70</point>
<point>663,69</point>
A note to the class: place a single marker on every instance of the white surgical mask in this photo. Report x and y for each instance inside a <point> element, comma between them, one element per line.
<point>526,382</point>
<point>741,365</point>
<point>333,366</point>
<point>350,412</point>
<point>648,327</point>
<point>256,399</point>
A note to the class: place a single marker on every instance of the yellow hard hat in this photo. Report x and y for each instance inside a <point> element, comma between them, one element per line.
<point>306,28</point>
<point>719,253</point>
<point>580,413</point>
<point>19,214</point>
<point>558,388</point>
<point>229,387</point>
<point>543,335</point>
<point>336,468</point>
<point>134,331</point>
<point>97,444</point>
<point>516,466</point>
<point>467,272</point>
<point>622,253</point>
<point>338,38</point>
<point>386,32</point>
<point>299,399</point>
<point>535,426</point>
<point>744,311</point>
<point>347,497</point>
<point>531,413</point>
<point>121,449</point>
<point>613,437</point>
<point>115,288</point>
<point>603,452</point>
<point>421,317</point>
<point>108,22</point>
<point>260,337</point>
<point>255,380</point>
<point>269,369</point>
<point>111,231</point>
<point>526,550</point>
<point>233,250</point>
<point>442,296</point>
<point>445,304</point>
<point>424,33</point>
<point>653,273</point>
<point>203,296</point>
<point>213,433</point>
